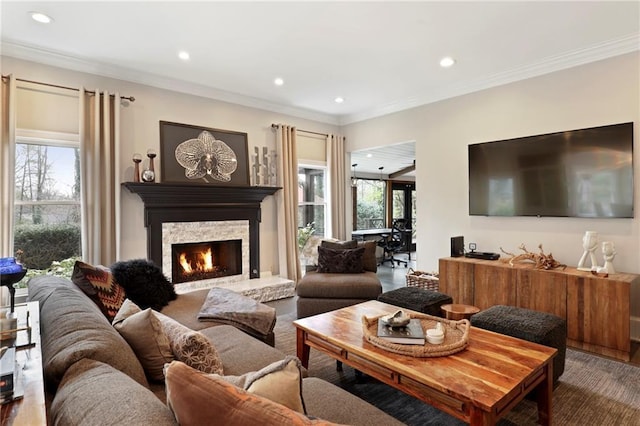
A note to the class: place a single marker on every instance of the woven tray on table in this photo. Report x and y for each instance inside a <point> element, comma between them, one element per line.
<point>426,280</point>
<point>456,337</point>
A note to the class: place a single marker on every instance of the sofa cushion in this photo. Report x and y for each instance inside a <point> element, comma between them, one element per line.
<point>280,382</point>
<point>100,285</point>
<point>144,333</point>
<point>144,283</point>
<point>365,286</point>
<point>347,261</point>
<point>239,352</point>
<point>73,327</point>
<point>93,393</point>
<point>196,398</point>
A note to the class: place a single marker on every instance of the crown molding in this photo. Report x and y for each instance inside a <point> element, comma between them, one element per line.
<point>600,51</point>
<point>74,63</point>
<point>597,52</point>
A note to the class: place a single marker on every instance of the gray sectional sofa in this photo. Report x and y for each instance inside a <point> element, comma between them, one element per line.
<point>93,377</point>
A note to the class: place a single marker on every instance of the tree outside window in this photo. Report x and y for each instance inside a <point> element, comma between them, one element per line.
<point>47,202</point>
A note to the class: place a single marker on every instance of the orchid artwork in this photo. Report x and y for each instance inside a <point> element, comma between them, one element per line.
<point>206,157</point>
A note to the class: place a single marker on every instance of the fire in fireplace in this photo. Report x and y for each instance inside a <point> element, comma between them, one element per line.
<point>206,260</point>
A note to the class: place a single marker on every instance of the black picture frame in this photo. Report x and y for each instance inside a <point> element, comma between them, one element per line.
<point>173,134</point>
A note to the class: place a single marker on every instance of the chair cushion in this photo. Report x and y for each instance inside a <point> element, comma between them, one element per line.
<point>369,261</point>
<point>339,245</point>
<point>339,286</point>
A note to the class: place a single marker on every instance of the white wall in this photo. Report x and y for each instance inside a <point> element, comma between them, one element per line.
<point>140,131</point>
<point>600,93</point>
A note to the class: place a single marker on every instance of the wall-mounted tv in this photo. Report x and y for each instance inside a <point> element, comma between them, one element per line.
<point>577,173</point>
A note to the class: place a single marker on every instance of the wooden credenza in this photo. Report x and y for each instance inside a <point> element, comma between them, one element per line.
<point>597,309</point>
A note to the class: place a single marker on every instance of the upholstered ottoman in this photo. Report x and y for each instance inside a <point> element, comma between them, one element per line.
<point>533,326</point>
<point>417,299</point>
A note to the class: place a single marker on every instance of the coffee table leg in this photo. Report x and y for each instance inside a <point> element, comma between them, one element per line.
<point>302,350</point>
<point>545,394</point>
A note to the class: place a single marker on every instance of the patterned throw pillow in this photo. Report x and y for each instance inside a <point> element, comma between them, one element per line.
<point>191,347</point>
<point>340,261</point>
<point>99,284</point>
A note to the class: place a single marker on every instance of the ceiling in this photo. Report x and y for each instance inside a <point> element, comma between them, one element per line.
<point>381,57</point>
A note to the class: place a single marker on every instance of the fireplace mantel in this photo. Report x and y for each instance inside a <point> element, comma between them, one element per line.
<point>185,202</point>
<point>181,194</point>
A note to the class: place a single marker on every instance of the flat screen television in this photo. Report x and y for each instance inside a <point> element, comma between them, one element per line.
<point>578,173</point>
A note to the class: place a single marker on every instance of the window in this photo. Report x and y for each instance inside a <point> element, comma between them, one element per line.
<point>370,204</point>
<point>311,198</point>
<point>47,198</point>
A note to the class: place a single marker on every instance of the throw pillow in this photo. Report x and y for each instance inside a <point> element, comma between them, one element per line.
<point>348,261</point>
<point>144,283</point>
<point>280,382</point>
<point>143,332</point>
<point>195,398</point>
<point>100,285</point>
<point>191,347</point>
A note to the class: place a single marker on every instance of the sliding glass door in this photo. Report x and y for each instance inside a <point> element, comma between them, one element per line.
<point>403,206</point>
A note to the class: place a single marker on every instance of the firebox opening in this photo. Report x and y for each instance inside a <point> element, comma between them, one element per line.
<point>205,260</point>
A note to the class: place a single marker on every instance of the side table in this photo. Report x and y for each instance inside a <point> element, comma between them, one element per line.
<point>31,408</point>
<point>457,311</point>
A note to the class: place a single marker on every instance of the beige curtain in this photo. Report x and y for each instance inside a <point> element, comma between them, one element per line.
<point>100,176</point>
<point>7,168</point>
<point>337,187</point>
<point>287,202</point>
<point>7,163</point>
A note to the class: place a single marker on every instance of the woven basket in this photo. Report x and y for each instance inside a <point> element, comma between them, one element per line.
<point>426,280</point>
<point>456,337</point>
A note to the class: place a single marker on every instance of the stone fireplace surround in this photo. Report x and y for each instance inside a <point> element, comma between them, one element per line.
<point>168,205</point>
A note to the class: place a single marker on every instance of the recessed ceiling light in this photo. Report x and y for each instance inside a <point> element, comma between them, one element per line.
<point>447,61</point>
<point>184,55</point>
<point>369,155</point>
<point>40,17</point>
<point>278,81</point>
<point>339,100</point>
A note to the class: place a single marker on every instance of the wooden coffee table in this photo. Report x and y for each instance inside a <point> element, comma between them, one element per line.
<point>478,385</point>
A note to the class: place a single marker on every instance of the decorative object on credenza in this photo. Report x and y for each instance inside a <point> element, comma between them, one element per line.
<point>540,260</point>
<point>589,244</point>
<point>149,174</point>
<point>10,273</point>
<point>263,172</point>
<point>137,159</point>
<point>203,155</point>
<point>609,253</point>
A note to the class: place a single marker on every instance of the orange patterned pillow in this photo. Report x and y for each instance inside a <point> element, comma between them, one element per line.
<point>100,286</point>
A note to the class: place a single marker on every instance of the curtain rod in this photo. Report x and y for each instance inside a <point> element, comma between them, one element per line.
<point>273,126</point>
<point>129,98</point>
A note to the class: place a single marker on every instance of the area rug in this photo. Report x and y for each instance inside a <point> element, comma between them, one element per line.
<point>592,391</point>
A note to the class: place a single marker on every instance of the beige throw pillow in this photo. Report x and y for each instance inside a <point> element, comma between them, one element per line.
<point>144,333</point>
<point>280,382</point>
